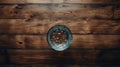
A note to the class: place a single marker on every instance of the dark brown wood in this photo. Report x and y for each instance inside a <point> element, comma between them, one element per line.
<point>50,65</point>
<point>21,27</point>
<point>40,41</point>
<point>94,24</point>
<point>24,11</point>
<point>50,56</point>
<point>2,52</point>
<point>32,1</point>
<point>88,26</point>
<point>58,11</point>
<point>78,56</point>
<point>2,59</point>
<point>90,1</point>
<point>8,26</point>
<point>116,1</point>
<point>117,12</point>
<point>21,41</point>
<point>92,41</point>
<point>82,11</point>
<point>59,1</point>
<point>62,1</point>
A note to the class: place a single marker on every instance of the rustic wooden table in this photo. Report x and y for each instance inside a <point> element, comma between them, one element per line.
<point>95,27</point>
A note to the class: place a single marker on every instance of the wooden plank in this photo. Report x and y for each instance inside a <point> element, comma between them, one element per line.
<point>21,41</point>
<point>83,56</point>
<point>90,1</point>
<point>117,12</point>
<point>87,26</point>
<point>85,11</point>
<point>49,65</point>
<point>32,1</point>
<point>52,57</point>
<point>40,41</point>
<point>24,11</point>
<point>59,1</point>
<point>21,27</point>
<point>92,41</point>
<point>8,26</point>
<point>55,11</point>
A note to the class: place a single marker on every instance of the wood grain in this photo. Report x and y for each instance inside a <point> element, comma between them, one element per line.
<point>24,11</point>
<point>51,57</point>
<point>50,65</point>
<point>94,24</point>
<point>40,41</point>
<point>59,1</point>
<point>21,41</point>
<point>32,1</point>
<point>84,56</point>
<point>92,41</point>
<point>117,12</point>
<point>90,1</point>
<point>55,11</point>
<point>8,26</point>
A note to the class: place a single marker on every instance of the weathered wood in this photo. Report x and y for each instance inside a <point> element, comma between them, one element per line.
<point>55,11</point>
<point>59,1</point>
<point>32,1</point>
<point>117,12</point>
<point>88,26</point>
<point>84,11</point>
<point>109,57</point>
<point>52,57</point>
<point>90,1</point>
<point>83,56</point>
<point>40,41</point>
<point>20,26</point>
<point>21,41</point>
<point>50,65</point>
<point>24,11</point>
<point>24,25</point>
<point>92,41</point>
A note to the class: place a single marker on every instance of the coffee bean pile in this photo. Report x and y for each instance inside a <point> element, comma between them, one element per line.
<point>59,37</point>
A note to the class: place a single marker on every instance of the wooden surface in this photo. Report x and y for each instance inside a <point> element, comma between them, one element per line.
<point>95,26</point>
<point>40,41</point>
<point>59,1</point>
<point>55,11</point>
<point>83,27</point>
